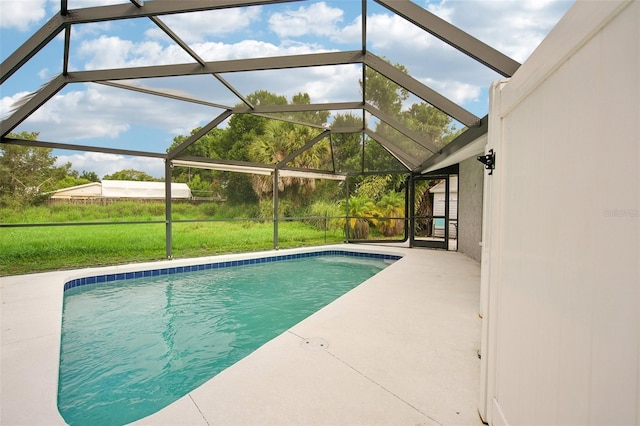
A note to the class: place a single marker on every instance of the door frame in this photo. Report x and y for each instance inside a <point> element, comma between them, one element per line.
<point>437,174</point>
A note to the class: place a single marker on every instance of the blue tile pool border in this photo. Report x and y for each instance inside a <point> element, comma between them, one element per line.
<point>121,276</point>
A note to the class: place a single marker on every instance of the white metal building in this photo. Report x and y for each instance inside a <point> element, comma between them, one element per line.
<point>122,189</point>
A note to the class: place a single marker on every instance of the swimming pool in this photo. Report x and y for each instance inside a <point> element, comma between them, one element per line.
<point>120,362</point>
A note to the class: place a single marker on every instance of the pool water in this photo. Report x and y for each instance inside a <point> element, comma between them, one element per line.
<point>130,348</point>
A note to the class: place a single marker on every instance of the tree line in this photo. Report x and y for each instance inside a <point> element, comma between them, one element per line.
<point>29,174</point>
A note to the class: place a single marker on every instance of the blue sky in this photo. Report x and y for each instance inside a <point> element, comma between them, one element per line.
<point>92,114</point>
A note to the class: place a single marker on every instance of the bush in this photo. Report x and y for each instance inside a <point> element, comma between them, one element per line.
<point>208,210</point>
<point>325,214</point>
<point>236,211</point>
<point>265,209</point>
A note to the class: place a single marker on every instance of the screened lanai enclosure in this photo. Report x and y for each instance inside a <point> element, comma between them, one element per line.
<point>388,116</point>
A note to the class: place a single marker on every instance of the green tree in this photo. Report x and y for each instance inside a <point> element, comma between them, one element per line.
<point>383,93</point>
<point>312,117</point>
<point>27,174</point>
<point>244,128</point>
<point>69,181</point>
<point>374,186</point>
<point>347,147</point>
<point>207,146</point>
<point>238,189</point>
<point>202,182</point>
<point>73,178</point>
<point>431,122</point>
<point>389,97</point>
<point>234,143</point>
<point>90,176</point>
<point>131,174</point>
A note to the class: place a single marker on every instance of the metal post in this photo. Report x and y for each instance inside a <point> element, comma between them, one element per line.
<point>275,209</point>
<point>407,208</point>
<point>326,221</point>
<point>167,206</point>
<point>346,215</point>
<point>446,212</point>
<point>412,209</point>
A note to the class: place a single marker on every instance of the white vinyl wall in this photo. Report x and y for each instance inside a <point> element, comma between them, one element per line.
<point>561,232</point>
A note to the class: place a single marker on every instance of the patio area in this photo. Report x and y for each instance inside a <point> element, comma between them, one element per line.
<point>399,349</point>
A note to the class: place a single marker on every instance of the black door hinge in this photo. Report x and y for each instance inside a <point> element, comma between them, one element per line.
<point>488,160</point>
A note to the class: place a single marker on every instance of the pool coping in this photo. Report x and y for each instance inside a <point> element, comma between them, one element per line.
<point>401,349</point>
<point>108,277</point>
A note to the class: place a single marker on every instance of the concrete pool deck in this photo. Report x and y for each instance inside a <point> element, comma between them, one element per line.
<point>399,349</point>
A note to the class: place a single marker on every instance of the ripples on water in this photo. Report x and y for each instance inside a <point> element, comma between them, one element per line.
<point>132,347</point>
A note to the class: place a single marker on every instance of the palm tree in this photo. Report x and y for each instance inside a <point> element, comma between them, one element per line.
<point>424,208</point>
<point>278,141</point>
<point>391,205</point>
<point>270,148</point>
<point>362,212</point>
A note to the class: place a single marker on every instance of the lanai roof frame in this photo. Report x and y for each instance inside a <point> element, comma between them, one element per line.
<point>424,19</point>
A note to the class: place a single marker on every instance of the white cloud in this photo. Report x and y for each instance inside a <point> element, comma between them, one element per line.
<point>351,33</point>
<point>21,14</point>
<point>442,9</point>
<point>198,26</point>
<point>104,112</point>
<point>514,27</point>
<point>78,4</point>
<point>212,51</point>
<point>334,84</point>
<point>323,84</point>
<point>389,32</point>
<point>8,103</point>
<point>105,164</point>
<point>456,91</point>
<point>316,19</point>
<point>114,52</point>
<point>82,31</point>
<point>79,115</point>
<point>429,60</point>
<point>45,74</point>
<point>107,52</point>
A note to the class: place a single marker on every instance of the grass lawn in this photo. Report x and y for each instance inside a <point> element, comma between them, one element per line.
<point>38,249</point>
